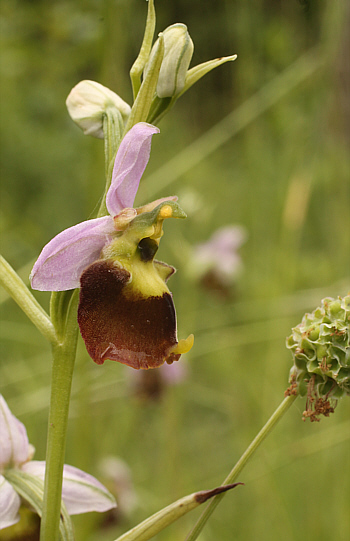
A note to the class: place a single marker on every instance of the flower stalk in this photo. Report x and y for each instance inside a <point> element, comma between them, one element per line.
<point>142,104</point>
<point>232,476</point>
<point>141,60</point>
<point>112,129</point>
<point>61,382</point>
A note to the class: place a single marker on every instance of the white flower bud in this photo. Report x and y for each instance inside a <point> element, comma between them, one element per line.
<point>88,101</point>
<point>178,51</point>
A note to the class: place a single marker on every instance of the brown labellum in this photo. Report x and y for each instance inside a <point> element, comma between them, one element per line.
<point>129,328</point>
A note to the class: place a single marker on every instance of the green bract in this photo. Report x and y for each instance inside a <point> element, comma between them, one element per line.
<point>321,352</point>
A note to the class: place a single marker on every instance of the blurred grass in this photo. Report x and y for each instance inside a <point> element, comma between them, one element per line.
<point>284,175</point>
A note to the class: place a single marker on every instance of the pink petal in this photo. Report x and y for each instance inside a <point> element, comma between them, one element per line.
<point>130,163</point>
<point>230,237</point>
<point>9,504</point>
<point>64,258</point>
<point>14,445</point>
<point>219,253</point>
<point>81,492</point>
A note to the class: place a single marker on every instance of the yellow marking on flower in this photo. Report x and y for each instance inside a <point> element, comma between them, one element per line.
<point>184,345</point>
<point>165,212</point>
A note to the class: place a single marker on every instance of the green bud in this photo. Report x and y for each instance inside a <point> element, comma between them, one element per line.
<point>320,345</point>
<point>314,333</point>
<point>178,51</point>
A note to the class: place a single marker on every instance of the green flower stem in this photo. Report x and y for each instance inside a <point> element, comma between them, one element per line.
<point>25,300</point>
<point>142,104</point>
<point>275,417</point>
<point>112,128</point>
<point>62,373</point>
<point>141,60</point>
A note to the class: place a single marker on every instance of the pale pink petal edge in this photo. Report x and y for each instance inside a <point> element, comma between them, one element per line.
<point>14,444</point>
<point>81,492</point>
<point>130,163</point>
<point>9,504</point>
<point>64,258</point>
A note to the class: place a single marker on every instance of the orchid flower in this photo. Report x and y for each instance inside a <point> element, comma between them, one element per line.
<point>126,312</point>
<point>81,492</point>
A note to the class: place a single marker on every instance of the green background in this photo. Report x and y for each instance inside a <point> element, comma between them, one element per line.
<point>281,170</point>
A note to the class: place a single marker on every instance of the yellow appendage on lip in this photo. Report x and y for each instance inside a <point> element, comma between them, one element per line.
<point>184,345</point>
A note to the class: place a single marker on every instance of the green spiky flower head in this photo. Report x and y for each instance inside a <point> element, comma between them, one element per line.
<point>321,352</point>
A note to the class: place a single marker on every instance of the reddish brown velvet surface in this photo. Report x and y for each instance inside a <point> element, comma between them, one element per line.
<point>131,329</point>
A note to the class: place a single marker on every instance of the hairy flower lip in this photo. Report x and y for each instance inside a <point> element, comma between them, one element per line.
<point>119,323</point>
<point>126,312</point>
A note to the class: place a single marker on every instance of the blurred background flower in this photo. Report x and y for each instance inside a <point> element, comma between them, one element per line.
<point>152,384</point>
<point>217,263</point>
<point>116,475</point>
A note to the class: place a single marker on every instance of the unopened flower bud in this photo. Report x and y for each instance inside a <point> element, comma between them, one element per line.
<point>320,345</point>
<point>178,51</point>
<point>88,101</point>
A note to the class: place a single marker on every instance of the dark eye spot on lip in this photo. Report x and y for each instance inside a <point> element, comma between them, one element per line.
<point>147,249</point>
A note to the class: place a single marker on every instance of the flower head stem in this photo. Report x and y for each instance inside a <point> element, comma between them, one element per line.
<point>232,476</point>
<point>62,373</point>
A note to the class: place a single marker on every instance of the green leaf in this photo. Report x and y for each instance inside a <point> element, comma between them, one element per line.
<point>196,73</point>
<point>142,104</point>
<point>141,60</point>
<point>31,489</point>
<point>157,522</point>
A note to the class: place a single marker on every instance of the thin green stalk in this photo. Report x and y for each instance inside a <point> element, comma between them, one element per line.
<point>62,373</point>
<point>112,129</point>
<point>275,417</point>
<point>140,62</point>
<point>26,301</point>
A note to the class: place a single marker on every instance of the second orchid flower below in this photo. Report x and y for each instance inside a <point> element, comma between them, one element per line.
<point>126,312</point>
